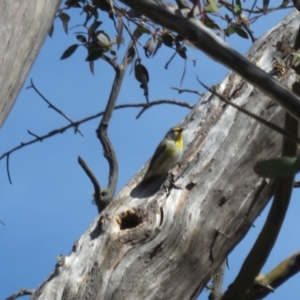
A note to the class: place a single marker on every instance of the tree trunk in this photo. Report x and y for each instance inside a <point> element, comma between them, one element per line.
<point>148,245</point>
<point>24,26</point>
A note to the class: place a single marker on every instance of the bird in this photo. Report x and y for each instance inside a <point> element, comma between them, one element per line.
<point>167,154</point>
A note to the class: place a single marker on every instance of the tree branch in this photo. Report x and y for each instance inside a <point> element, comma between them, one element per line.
<point>77,123</point>
<point>265,242</point>
<point>101,131</point>
<point>52,106</point>
<point>94,181</point>
<point>180,90</point>
<point>202,38</point>
<point>20,293</point>
<point>7,168</point>
<point>166,101</point>
<point>283,132</point>
<point>276,277</point>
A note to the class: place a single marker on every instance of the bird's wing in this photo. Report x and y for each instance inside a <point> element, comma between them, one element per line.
<point>158,153</point>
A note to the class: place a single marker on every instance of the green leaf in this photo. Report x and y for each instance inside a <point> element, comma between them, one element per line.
<point>142,76</point>
<point>113,52</point>
<point>51,30</point>
<point>81,38</point>
<point>167,38</point>
<point>229,31</point>
<point>141,73</point>
<point>94,27</point>
<point>213,6</point>
<point>277,167</point>
<point>65,18</point>
<point>103,5</point>
<point>238,7</point>
<point>239,31</point>
<point>72,3</point>
<point>94,55</point>
<point>182,52</point>
<point>140,30</point>
<point>69,51</point>
<point>280,61</point>
<point>210,23</point>
<point>92,65</point>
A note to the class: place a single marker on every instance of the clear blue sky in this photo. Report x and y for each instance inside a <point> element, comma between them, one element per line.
<point>49,205</point>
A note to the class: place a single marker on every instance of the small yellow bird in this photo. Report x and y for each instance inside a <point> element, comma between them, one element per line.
<point>167,154</point>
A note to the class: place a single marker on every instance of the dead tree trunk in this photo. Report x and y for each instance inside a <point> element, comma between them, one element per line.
<point>24,26</point>
<point>159,246</point>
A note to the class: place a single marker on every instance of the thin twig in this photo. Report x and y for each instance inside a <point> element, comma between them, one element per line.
<point>94,181</point>
<point>110,61</point>
<point>271,125</point>
<point>84,120</point>
<point>205,40</point>
<point>276,277</point>
<point>169,61</point>
<point>32,86</point>
<point>20,293</point>
<point>33,134</point>
<point>166,101</point>
<point>180,90</point>
<point>7,168</point>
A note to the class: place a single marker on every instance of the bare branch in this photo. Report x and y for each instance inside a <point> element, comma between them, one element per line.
<point>52,106</point>
<point>276,277</point>
<point>180,90</point>
<point>7,168</point>
<point>269,233</point>
<point>77,123</point>
<point>20,293</point>
<point>165,101</point>
<point>203,39</point>
<point>111,62</point>
<point>94,181</point>
<point>271,125</point>
<point>101,131</point>
<point>33,134</point>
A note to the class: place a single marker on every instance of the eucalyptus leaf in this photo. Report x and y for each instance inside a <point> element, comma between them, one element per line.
<point>69,51</point>
<point>280,167</point>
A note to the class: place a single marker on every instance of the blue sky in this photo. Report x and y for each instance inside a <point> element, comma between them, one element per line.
<point>48,206</point>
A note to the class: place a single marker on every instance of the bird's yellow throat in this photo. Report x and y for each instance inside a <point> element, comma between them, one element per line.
<point>179,141</point>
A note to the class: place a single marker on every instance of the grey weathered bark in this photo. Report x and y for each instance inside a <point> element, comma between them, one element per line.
<point>149,245</point>
<point>24,26</point>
